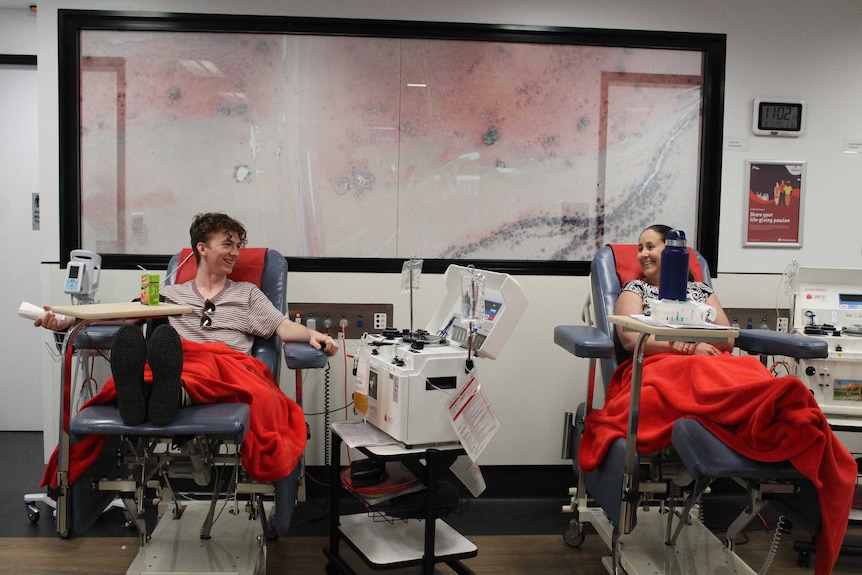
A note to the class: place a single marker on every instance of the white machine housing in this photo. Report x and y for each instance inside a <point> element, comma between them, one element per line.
<point>409,389</point>
<point>834,297</point>
<point>82,274</point>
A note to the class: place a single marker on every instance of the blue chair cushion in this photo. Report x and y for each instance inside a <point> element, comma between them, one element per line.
<point>705,456</point>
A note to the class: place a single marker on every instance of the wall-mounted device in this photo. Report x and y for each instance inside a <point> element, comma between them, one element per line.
<point>778,117</point>
<point>82,275</point>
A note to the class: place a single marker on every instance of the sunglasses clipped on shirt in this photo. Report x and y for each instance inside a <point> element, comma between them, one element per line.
<point>207,314</point>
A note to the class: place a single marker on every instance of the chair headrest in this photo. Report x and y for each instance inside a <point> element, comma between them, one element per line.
<point>628,268</point>
<point>248,268</point>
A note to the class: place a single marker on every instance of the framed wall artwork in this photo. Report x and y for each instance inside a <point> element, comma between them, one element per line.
<point>773,210</point>
<point>352,145</point>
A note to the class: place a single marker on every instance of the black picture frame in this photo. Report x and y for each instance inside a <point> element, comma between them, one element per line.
<point>73,22</point>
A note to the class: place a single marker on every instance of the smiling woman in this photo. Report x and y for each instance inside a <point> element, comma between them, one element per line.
<point>636,297</point>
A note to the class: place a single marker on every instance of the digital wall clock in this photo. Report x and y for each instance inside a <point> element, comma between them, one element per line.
<point>778,117</point>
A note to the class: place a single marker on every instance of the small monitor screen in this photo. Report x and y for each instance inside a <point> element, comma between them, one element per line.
<point>74,270</point>
<point>492,308</point>
<point>780,116</point>
<point>850,301</point>
<point>372,384</point>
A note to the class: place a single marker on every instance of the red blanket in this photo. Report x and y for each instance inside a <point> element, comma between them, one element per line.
<point>741,403</point>
<point>215,373</point>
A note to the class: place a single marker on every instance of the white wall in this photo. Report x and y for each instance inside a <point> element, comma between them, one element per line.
<point>19,152</point>
<point>18,27</point>
<point>777,48</point>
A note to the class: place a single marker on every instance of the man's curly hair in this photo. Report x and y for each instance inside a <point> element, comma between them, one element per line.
<point>205,225</point>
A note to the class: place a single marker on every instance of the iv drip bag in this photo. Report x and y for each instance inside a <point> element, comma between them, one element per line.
<point>411,271</point>
<point>472,296</point>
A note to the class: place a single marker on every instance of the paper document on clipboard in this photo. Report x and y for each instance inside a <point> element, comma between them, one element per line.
<point>474,421</point>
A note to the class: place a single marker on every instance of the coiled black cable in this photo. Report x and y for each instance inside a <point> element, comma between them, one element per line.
<point>783,526</point>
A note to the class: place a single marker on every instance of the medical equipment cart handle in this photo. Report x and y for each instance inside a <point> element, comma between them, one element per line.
<point>87,314</point>
<point>661,333</point>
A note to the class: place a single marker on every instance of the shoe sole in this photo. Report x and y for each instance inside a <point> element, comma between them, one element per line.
<point>128,356</point>
<point>165,353</point>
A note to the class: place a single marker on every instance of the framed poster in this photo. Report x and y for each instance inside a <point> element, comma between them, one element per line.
<point>773,212</point>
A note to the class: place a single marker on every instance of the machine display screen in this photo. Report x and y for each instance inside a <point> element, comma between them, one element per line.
<point>372,384</point>
<point>492,308</point>
<point>74,278</point>
<point>850,301</point>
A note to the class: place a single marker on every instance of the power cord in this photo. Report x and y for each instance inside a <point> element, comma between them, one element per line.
<point>783,526</point>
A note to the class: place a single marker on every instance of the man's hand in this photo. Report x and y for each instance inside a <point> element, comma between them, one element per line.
<point>52,322</point>
<point>324,343</point>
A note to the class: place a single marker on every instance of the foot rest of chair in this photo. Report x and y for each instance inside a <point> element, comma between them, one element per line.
<point>225,421</point>
<point>704,455</point>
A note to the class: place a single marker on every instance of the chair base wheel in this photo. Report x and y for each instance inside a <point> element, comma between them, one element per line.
<point>33,513</point>
<point>574,534</point>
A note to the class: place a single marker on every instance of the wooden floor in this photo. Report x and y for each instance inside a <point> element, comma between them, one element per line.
<point>500,555</point>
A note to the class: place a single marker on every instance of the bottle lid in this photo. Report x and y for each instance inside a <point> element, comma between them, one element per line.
<point>675,238</point>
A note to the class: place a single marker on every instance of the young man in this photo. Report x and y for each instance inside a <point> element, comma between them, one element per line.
<point>202,357</point>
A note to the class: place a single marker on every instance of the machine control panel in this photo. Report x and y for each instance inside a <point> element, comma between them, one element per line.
<point>828,304</point>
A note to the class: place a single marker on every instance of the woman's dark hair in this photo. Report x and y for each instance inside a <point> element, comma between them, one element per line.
<point>205,225</point>
<point>660,229</point>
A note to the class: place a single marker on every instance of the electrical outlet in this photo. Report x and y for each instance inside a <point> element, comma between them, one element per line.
<point>783,325</point>
<point>347,320</point>
<point>380,321</point>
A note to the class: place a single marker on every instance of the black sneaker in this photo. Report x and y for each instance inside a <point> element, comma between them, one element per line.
<point>128,356</point>
<point>165,352</point>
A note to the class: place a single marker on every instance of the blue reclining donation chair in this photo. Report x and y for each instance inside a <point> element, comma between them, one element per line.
<point>697,457</point>
<point>140,461</point>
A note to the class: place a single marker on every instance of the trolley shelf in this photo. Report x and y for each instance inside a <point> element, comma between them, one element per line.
<point>401,543</point>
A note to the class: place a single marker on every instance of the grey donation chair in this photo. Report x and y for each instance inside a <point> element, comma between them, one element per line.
<point>697,457</point>
<point>201,444</point>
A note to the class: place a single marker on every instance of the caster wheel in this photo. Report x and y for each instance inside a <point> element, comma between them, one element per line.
<point>729,544</point>
<point>32,513</point>
<point>332,569</point>
<point>804,559</point>
<point>574,534</point>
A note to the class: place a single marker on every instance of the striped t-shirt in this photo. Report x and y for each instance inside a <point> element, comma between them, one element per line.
<point>242,312</point>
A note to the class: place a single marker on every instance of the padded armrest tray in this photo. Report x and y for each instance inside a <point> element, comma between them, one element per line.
<point>225,421</point>
<point>766,342</point>
<point>301,355</point>
<point>584,341</point>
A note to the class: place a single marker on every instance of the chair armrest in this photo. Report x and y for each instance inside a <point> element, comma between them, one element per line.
<point>584,341</point>
<point>98,336</point>
<point>301,355</point>
<point>767,342</point>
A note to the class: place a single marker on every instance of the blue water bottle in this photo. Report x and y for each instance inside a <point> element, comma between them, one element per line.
<point>673,283</point>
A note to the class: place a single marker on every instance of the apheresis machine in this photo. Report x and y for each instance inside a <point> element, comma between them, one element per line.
<point>410,376</point>
<point>827,303</point>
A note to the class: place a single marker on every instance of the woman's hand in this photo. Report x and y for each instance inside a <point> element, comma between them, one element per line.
<point>695,348</point>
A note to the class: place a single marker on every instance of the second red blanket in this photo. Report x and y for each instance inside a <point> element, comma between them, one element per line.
<point>740,402</point>
<point>215,373</point>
